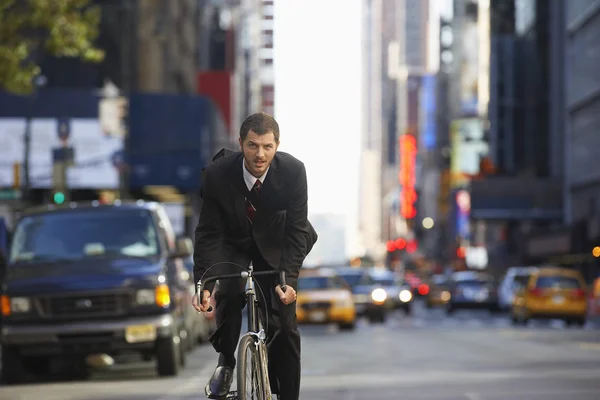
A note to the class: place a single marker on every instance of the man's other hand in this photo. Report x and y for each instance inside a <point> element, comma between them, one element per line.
<point>287,297</point>
<point>204,305</point>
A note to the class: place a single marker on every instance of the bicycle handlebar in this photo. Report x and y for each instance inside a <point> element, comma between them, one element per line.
<point>244,274</point>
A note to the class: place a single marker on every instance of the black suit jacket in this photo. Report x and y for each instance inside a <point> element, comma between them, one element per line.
<point>280,229</point>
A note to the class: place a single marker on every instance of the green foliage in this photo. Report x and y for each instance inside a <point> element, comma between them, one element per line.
<point>62,28</point>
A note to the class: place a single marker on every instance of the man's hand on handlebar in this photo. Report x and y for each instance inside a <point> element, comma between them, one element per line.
<point>288,296</point>
<point>204,306</point>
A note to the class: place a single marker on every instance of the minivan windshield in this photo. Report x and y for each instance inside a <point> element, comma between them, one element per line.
<point>85,233</point>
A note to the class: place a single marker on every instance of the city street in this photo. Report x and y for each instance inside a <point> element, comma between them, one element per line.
<point>469,356</point>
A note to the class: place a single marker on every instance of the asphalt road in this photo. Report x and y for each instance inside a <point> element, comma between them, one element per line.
<point>469,356</point>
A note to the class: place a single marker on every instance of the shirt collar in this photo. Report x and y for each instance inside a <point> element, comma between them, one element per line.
<point>250,179</point>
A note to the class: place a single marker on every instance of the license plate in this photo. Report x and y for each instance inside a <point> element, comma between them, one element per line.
<point>317,316</point>
<point>481,296</point>
<point>558,299</point>
<point>140,333</point>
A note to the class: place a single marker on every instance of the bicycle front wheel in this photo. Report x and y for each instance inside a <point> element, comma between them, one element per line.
<point>252,381</point>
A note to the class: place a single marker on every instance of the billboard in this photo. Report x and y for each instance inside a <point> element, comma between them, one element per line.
<point>94,152</point>
<point>469,62</point>
<point>428,112</point>
<point>469,147</point>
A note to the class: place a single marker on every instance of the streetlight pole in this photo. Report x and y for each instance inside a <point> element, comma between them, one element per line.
<point>38,82</point>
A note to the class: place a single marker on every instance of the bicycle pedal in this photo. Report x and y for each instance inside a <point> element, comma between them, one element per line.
<point>232,396</point>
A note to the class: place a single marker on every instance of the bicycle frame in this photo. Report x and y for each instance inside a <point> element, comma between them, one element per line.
<point>254,329</point>
<point>253,317</point>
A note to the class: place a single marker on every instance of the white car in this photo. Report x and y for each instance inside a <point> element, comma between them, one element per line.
<point>513,279</point>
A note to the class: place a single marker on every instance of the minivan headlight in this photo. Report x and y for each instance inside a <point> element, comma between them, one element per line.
<point>20,305</point>
<point>14,305</point>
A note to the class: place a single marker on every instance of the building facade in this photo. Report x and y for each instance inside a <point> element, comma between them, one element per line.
<point>267,76</point>
<point>582,50</point>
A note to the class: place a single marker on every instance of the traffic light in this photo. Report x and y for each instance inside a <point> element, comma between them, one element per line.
<point>59,197</point>
<point>446,44</point>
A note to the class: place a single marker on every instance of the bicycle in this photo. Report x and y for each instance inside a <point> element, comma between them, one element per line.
<point>252,347</point>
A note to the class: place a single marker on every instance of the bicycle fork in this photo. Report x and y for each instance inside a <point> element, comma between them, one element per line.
<point>253,318</point>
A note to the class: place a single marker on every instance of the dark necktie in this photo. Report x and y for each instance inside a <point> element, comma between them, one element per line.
<point>250,209</point>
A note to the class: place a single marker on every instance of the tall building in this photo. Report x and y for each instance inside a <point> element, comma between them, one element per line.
<point>267,76</point>
<point>405,45</point>
<point>540,201</point>
<point>574,105</point>
<point>524,193</point>
<point>395,56</point>
<point>237,57</point>
<point>371,146</point>
<point>582,49</point>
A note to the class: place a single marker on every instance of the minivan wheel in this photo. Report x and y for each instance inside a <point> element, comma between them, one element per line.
<point>13,371</point>
<point>168,356</point>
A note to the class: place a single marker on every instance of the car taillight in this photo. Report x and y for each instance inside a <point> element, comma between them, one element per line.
<point>535,292</point>
<point>578,293</point>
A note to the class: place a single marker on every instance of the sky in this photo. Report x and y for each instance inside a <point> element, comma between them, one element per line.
<point>317,65</point>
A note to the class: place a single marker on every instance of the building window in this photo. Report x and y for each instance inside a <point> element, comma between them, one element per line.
<point>268,10</point>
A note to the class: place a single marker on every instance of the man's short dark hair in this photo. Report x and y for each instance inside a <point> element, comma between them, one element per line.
<point>259,123</point>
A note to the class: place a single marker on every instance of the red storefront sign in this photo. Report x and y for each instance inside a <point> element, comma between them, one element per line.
<point>408,195</point>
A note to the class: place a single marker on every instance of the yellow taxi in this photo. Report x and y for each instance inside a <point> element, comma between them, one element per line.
<point>551,293</point>
<point>594,299</point>
<point>323,298</point>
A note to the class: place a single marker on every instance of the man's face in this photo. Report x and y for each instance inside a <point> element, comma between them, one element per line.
<point>259,151</point>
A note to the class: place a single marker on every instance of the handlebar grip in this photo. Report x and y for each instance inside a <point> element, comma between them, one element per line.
<point>282,279</point>
<point>199,290</point>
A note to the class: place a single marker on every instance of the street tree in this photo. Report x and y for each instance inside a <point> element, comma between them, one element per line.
<point>61,28</point>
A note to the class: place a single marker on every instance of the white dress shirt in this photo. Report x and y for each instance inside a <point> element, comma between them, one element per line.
<point>250,179</point>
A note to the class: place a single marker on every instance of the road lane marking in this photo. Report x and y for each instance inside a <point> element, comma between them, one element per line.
<point>405,378</point>
<point>193,384</point>
<point>509,394</point>
<point>588,345</point>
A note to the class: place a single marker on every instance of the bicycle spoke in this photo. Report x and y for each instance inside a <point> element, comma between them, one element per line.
<point>254,391</point>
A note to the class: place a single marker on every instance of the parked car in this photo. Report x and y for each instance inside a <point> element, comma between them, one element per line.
<point>202,325</point>
<point>85,279</point>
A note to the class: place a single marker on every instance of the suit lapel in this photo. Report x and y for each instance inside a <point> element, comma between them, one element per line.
<point>268,193</point>
<point>265,202</point>
<point>271,185</point>
<point>239,188</point>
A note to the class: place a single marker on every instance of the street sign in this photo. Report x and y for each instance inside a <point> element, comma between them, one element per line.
<point>118,158</point>
<point>63,128</point>
<point>10,194</point>
<point>63,154</point>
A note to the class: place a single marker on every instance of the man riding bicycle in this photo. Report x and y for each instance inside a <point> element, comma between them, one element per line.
<point>254,210</point>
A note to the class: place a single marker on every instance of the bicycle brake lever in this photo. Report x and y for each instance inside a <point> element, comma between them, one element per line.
<point>282,279</point>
